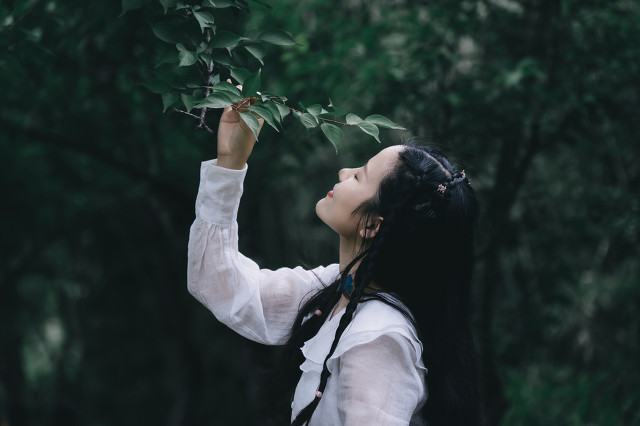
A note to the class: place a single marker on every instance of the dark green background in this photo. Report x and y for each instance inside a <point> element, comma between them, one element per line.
<point>538,100</point>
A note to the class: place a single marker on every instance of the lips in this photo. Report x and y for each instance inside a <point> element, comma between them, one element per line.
<point>330,194</point>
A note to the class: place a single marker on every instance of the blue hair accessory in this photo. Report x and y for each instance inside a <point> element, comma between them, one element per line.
<point>348,285</point>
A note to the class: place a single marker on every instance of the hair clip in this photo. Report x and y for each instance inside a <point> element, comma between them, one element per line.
<point>441,188</point>
<point>318,312</point>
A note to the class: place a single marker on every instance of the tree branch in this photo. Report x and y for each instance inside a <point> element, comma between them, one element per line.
<point>319,118</point>
<point>208,80</point>
<point>202,124</point>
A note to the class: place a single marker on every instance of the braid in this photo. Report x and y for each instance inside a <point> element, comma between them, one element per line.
<point>459,177</point>
<point>362,279</point>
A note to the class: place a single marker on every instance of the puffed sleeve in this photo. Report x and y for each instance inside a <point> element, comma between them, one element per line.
<point>379,383</point>
<point>259,304</point>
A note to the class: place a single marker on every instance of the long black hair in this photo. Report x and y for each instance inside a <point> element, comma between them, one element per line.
<point>423,255</point>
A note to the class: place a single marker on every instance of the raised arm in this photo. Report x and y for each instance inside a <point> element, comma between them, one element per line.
<point>257,303</point>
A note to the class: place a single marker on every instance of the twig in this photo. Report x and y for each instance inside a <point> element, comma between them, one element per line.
<point>319,118</point>
<point>208,80</point>
<point>201,125</point>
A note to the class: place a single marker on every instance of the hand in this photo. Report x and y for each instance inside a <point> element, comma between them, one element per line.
<point>235,138</point>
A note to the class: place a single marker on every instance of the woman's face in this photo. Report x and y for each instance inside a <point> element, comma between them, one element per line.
<point>354,187</point>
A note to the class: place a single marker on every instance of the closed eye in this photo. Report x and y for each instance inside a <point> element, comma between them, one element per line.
<point>356,176</point>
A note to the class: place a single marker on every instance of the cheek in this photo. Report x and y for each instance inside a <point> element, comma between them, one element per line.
<point>339,217</point>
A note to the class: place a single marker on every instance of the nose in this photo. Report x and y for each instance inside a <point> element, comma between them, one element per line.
<point>342,174</point>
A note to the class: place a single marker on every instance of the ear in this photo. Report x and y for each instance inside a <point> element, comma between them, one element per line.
<point>371,229</point>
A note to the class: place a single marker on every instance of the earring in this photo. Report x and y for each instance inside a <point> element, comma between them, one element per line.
<point>348,285</point>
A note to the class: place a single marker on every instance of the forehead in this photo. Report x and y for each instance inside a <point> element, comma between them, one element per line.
<point>385,160</point>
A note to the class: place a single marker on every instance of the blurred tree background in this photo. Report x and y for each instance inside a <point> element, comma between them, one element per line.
<point>538,99</point>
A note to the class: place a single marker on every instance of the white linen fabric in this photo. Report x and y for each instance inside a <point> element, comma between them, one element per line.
<point>378,377</point>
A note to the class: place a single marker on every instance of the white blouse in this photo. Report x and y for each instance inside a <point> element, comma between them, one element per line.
<point>377,374</point>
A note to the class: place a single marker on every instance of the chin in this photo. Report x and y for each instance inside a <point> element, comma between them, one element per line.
<point>319,210</point>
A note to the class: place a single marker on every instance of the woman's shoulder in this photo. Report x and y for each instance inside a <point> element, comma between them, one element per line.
<point>327,274</point>
<point>375,314</point>
<point>375,318</point>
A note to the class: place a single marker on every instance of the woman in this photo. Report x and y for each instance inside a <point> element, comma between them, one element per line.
<point>361,335</point>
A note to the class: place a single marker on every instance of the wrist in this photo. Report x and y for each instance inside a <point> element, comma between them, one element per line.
<point>230,162</point>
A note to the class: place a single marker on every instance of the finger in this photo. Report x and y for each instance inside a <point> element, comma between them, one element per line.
<point>239,86</point>
<point>243,105</point>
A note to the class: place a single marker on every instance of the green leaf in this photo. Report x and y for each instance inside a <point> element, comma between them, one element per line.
<point>268,95</point>
<point>166,31</point>
<point>206,58</point>
<point>220,57</point>
<point>205,19</point>
<point>198,95</point>
<point>333,133</point>
<point>240,74</point>
<point>257,52</point>
<point>315,110</point>
<point>215,100</point>
<point>168,57</point>
<point>252,34</point>
<point>277,37</point>
<point>157,86</point>
<point>284,111</point>
<point>337,111</point>
<point>224,39</point>
<point>382,121</point>
<point>329,115</point>
<point>353,119</point>
<point>370,129</point>
<point>265,4</point>
<point>229,89</point>
<point>187,58</point>
<point>264,112</point>
<point>251,85</point>
<point>240,57</point>
<point>202,47</point>
<point>166,4</point>
<point>307,120</point>
<point>251,121</point>
<point>273,109</point>
<point>169,99</point>
<point>188,101</point>
<point>221,4</point>
<point>132,4</point>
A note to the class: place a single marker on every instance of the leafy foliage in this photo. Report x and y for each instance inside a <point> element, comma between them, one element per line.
<point>221,54</point>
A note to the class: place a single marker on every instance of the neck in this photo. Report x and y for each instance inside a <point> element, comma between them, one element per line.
<point>348,251</point>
